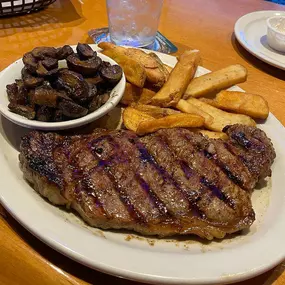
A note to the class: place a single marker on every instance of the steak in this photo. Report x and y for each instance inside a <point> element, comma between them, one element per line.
<point>172,182</point>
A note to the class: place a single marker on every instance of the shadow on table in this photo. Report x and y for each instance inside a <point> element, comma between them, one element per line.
<point>59,14</point>
<point>271,70</point>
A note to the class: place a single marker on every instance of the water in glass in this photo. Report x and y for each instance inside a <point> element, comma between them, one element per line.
<point>133,22</point>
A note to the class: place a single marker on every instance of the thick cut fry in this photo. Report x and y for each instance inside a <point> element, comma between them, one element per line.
<point>212,135</point>
<point>136,54</point>
<point>135,73</point>
<point>168,68</point>
<point>216,81</point>
<point>249,104</point>
<point>211,102</point>
<point>134,94</point>
<point>155,111</point>
<point>146,96</point>
<point>174,88</point>
<point>220,118</point>
<point>133,117</point>
<point>171,121</point>
<point>161,66</point>
<point>106,45</point>
<point>154,74</point>
<point>131,95</point>
<point>186,107</point>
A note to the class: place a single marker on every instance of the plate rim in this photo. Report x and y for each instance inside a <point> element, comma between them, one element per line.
<point>238,28</point>
<point>139,276</point>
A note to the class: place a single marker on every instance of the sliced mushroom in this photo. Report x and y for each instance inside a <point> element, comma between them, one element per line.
<point>112,74</point>
<point>45,114</point>
<point>94,104</point>
<point>105,97</point>
<point>45,95</point>
<point>14,96</point>
<point>74,84</point>
<point>43,52</point>
<point>71,109</point>
<point>30,98</point>
<point>64,52</point>
<point>85,51</point>
<point>94,80</point>
<point>87,67</point>
<point>30,81</point>
<point>50,63</point>
<point>25,111</point>
<point>58,116</point>
<point>30,62</point>
<point>41,70</point>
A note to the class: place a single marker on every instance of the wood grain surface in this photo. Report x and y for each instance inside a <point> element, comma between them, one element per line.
<point>205,25</point>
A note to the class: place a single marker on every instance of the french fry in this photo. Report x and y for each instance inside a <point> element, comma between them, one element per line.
<point>212,135</point>
<point>168,68</point>
<point>220,117</point>
<point>186,107</point>
<point>171,121</point>
<point>146,59</point>
<point>131,95</point>
<point>161,66</point>
<point>154,73</point>
<point>135,73</point>
<point>249,104</point>
<point>174,88</point>
<point>211,102</point>
<point>216,81</point>
<point>155,76</point>
<point>136,54</point>
<point>133,117</point>
<point>146,96</point>
<point>154,111</point>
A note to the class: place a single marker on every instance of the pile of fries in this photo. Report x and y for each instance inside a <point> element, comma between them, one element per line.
<point>158,96</point>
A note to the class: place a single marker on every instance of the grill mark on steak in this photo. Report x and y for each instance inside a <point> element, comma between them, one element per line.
<point>134,213</point>
<point>237,180</point>
<point>167,179</point>
<point>160,182</point>
<point>197,154</point>
<point>253,147</point>
<point>158,203</point>
<point>186,145</point>
<point>177,164</point>
<point>117,157</point>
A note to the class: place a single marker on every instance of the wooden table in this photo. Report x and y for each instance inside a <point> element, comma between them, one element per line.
<point>205,25</point>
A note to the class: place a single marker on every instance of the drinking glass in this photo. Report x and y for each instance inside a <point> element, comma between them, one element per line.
<point>133,22</point>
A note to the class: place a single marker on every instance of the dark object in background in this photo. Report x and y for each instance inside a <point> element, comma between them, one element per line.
<point>22,7</point>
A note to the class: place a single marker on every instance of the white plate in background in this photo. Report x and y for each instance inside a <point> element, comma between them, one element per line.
<point>250,31</point>
<point>152,260</point>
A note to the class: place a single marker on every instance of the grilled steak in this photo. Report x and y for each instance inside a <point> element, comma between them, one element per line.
<point>171,182</point>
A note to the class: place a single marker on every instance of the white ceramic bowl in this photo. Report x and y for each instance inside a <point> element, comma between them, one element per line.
<point>13,71</point>
<point>275,37</point>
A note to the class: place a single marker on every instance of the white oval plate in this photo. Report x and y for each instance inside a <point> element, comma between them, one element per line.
<point>13,71</point>
<point>152,260</point>
<point>251,32</point>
